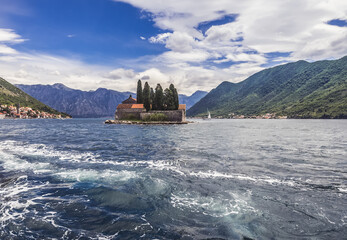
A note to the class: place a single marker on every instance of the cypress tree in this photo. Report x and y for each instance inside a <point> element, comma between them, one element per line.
<point>152,97</point>
<point>169,101</point>
<point>166,99</point>
<point>174,97</point>
<point>159,98</point>
<point>147,97</point>
<point>139,95</point>
<point>177,102</point>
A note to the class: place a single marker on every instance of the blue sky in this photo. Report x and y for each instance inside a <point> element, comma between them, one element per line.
<point>87,44</point>
<point>98,31</point>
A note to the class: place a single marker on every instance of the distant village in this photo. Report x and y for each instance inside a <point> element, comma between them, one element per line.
<point>264,116</point>
<point>9,111</point>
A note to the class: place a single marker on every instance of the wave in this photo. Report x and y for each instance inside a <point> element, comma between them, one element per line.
<point>59,163</point>
<point>104,176</point>
<point>214,206</point>
<point>20,201</point>
<point>290,182</point>
<point>47,164</point>
<point>42,150</point>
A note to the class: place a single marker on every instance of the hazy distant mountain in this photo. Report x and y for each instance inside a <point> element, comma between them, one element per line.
<point>99,103</point>
<point>11,95</point>
<point>298,90</point>
<point>192,99</point>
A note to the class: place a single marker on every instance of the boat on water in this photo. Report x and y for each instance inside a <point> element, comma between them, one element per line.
<point>208,115</point>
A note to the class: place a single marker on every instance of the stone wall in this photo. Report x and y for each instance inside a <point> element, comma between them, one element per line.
<point>172,115</point>
<point>129,113</point>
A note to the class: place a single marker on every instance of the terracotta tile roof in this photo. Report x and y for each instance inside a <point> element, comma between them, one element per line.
<point>128,106</point>
<point>182,107</point>
<point>137,106</point>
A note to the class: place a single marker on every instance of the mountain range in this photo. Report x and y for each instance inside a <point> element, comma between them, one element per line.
<point>11,95</point>
<point>192,99</point>
<point>297,90</point>
<point>99,103</point>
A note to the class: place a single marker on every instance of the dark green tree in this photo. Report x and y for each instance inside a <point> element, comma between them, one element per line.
<point>169,101</point>
<point>175,96</point>
<point>152,96</point>
<point>177,101</point>
<point>158,98</point>
<point>147,97</point>
<point>139,96</point>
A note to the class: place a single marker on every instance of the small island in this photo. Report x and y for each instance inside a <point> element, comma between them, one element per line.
<point>151,107</point>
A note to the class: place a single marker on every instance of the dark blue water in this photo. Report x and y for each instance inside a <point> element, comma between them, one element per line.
<point>229,179</point>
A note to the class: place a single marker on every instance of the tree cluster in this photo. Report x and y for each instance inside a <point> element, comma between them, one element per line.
<point>157,99</point>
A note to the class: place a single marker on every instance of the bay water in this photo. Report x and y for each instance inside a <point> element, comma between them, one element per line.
<point>226,179</point>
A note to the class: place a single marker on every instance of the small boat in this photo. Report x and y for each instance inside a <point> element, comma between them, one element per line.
<point>208,115</point>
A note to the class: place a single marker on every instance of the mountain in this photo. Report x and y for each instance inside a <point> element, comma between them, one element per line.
<point>192,99</point>
<point>99,103</point>
<point>11,95</point>
<point>297,90</point>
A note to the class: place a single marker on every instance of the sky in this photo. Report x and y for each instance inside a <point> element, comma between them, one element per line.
<point>196,45</point>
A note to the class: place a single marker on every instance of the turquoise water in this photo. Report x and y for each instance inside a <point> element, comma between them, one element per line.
<point>228,179</point>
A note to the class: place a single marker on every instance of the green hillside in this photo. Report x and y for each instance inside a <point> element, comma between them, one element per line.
<point>11,95</point>
<point>297,90</point>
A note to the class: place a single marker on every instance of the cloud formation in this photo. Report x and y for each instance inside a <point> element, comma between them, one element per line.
<point>257,28</point>
<point>222,40</point>
<point>9,36</point>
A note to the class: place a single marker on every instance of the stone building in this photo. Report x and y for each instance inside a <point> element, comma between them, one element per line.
<point>130,110</point>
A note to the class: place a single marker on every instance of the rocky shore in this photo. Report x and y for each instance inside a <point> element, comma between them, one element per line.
<point>143,122</point>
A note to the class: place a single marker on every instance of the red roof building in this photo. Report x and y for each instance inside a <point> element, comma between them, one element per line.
<point>130,100</point>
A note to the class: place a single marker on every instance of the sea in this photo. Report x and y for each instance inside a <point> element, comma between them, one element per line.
<point>218,179</point>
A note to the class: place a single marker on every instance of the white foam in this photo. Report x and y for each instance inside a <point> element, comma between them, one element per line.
<point>261,179</point>
<point>215,206</point>
<point>10,162</point>
<point>42,150</point>
<point>106,176</point>
<point>160,165</point>
<point>12,208</point>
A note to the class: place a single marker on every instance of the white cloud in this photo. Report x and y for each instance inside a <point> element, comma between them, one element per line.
<point>261,26</point>
<point>195,59</point>
<point>145,77</point>
<point>160,38</point>
<point>9,36</point>
<point>6,50</point>
<point>180,42</point>
<point>223,33</point>
<point>121,73</point>
<point>173,57</point>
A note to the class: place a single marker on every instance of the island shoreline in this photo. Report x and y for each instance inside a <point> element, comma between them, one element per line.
<point>145,123</point>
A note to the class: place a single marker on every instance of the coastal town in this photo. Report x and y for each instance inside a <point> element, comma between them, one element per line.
<point>263,116</point>
<point>12,112</point>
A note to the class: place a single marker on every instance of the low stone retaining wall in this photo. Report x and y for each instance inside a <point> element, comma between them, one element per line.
<point>128,113</point>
